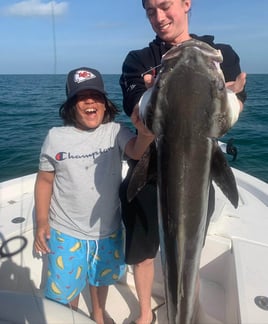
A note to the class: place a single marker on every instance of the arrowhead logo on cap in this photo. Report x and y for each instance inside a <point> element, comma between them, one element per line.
<point>83,75</point>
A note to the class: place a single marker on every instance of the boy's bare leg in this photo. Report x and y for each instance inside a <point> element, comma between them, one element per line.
<point>74,303</point>
<point>98,300</point>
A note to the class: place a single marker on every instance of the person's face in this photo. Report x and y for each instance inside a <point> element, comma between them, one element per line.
<point>90,109</point>
<point>169,19</point>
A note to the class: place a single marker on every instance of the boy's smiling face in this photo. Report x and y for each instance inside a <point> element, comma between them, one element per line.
<point>90,109</point>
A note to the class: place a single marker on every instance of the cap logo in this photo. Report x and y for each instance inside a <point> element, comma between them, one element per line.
<point>83,75</point>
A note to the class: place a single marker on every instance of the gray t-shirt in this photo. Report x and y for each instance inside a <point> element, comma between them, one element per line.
<point>85,201</point>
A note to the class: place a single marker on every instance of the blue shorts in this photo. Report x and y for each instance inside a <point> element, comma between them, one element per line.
<point>72,262</point>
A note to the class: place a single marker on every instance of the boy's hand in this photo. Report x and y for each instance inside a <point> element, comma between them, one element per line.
<point>41,237</point>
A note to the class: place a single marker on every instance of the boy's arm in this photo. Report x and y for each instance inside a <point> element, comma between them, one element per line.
<point>43,192</point>
<point>138,145</point>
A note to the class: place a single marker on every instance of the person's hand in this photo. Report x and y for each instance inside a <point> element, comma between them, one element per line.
<point>148,80</point>
<point>138,123</point>
<point>237,86</point>
<point>239,83</point>
<point>41,237</point>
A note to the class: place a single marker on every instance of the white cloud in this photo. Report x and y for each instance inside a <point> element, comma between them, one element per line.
<point>36,8</point>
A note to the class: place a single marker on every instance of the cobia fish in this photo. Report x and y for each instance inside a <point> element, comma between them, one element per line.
<point>187,110</point>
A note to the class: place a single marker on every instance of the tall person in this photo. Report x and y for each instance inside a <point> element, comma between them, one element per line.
<point>169,20</point>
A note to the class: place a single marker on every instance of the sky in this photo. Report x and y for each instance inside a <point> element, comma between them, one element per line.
<point>46,37</point>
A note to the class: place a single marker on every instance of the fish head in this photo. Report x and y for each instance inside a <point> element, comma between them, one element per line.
<point>190,85</point>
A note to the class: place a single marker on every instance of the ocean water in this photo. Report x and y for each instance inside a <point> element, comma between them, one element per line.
<point>29,106</point>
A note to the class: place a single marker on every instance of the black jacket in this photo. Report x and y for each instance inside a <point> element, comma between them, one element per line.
<point>139,61</point>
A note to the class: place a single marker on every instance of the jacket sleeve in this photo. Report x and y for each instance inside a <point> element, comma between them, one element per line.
<point>231,66</point>
<point>131,80</point>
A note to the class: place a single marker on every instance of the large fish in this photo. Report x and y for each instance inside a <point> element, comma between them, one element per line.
<point>188,109</point>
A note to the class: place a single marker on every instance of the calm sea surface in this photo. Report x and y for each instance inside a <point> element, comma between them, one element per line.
<point>29,106</point>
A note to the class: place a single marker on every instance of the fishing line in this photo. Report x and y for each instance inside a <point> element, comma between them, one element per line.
<point>54,37</point>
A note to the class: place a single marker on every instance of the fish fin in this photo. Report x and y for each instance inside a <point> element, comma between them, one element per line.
<point>144,172</point>
<point>223,176</point>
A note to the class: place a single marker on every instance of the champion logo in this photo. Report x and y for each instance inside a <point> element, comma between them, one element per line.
<point>83,75</point>
<point>61,156</point>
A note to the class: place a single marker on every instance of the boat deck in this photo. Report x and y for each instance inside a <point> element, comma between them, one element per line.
<point>233,266</point>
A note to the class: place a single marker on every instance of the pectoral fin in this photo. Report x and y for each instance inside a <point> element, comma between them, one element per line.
<point>145,171</point>
<point>223,176</point>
